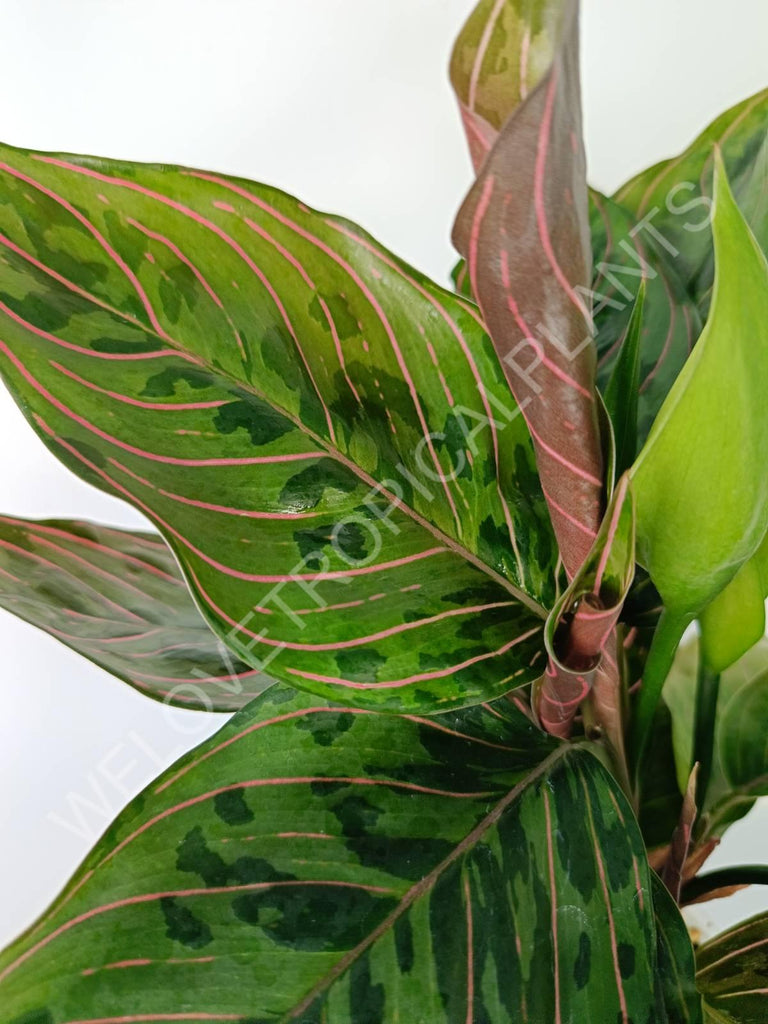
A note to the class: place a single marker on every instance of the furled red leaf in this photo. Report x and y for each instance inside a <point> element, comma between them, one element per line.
<point>733,974</point>
<point>580,634</point>
<point>118,598</point>
<point>500,56</point>
<point>626,254</point>
<point>318,863</point>
<point>524,231</point>
<point>325,438</point>
<point>675,197</point>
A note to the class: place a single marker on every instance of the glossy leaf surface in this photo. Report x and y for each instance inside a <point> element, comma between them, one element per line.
<point>118,598</point>
<point>676,961</point>
<point>735,620</point>
<point>316,863</point>
<point>675,196</point>
<point>627,253</point>
<point>701,489</point>
<point>502,53</point>
<point>312,426</point>
<point>733,974</point>
<point>524,231</point>
<point>622,391</point>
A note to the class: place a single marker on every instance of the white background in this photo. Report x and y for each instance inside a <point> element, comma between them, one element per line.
<point>346,104</point>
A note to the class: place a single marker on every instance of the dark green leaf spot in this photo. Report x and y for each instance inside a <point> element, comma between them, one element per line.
<point>362,665</point>
<point>182,926</point>
<point>254,416</point>
<point>325,729</point>
<point>583,965</point>
<point>232,808</point>
<point>626,960</point>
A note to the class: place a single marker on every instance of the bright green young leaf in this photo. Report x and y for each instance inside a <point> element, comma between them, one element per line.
<point>676,961</point>
<point>626,255</point>
<point>317,863</point>
<point>733,974</point>
<point>118,598</point>
<point>735,620</point>
<point>700,481</point>
<point>701,489</point>
<point>325,438</point>
<point>674,198</point>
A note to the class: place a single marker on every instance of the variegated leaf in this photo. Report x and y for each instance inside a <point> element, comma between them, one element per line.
<point>316,863</point>
<point>733,974</point>
<point>627,252</point>
<point>504,50</point>
<point>676,961</point>
<point>524,231</point>
<point>118,598</point>
<point>313,426</point>
<point>674,198</point>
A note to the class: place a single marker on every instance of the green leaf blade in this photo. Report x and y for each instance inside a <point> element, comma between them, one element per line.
<point>627,255</point>
<point>622,391</point>
<point>310,860</point>
<point>690,557</point>
<point>118,598</point>
<point>732,974</point>
<point>677,195</point>
<point>311,425</point>
<point>676,963</point>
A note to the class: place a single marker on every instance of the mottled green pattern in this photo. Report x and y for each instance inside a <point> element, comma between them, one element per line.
<point>676,195</point>
<point>676,963</point>
<point>733,974</point>
<point>312,863</point>
<point>324,437</point>
<point>502,53</point>
<point>118,598</point>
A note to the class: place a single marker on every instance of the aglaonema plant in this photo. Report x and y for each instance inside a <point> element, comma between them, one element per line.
<point>437,549</point>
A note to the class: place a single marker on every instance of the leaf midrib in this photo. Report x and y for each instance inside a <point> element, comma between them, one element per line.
<point>425,885</point>
<point>334,453</point>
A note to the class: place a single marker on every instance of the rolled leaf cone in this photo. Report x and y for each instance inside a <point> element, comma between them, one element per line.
<point>581,630</point>
<point>531,198</point>
<point>500,56</point>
